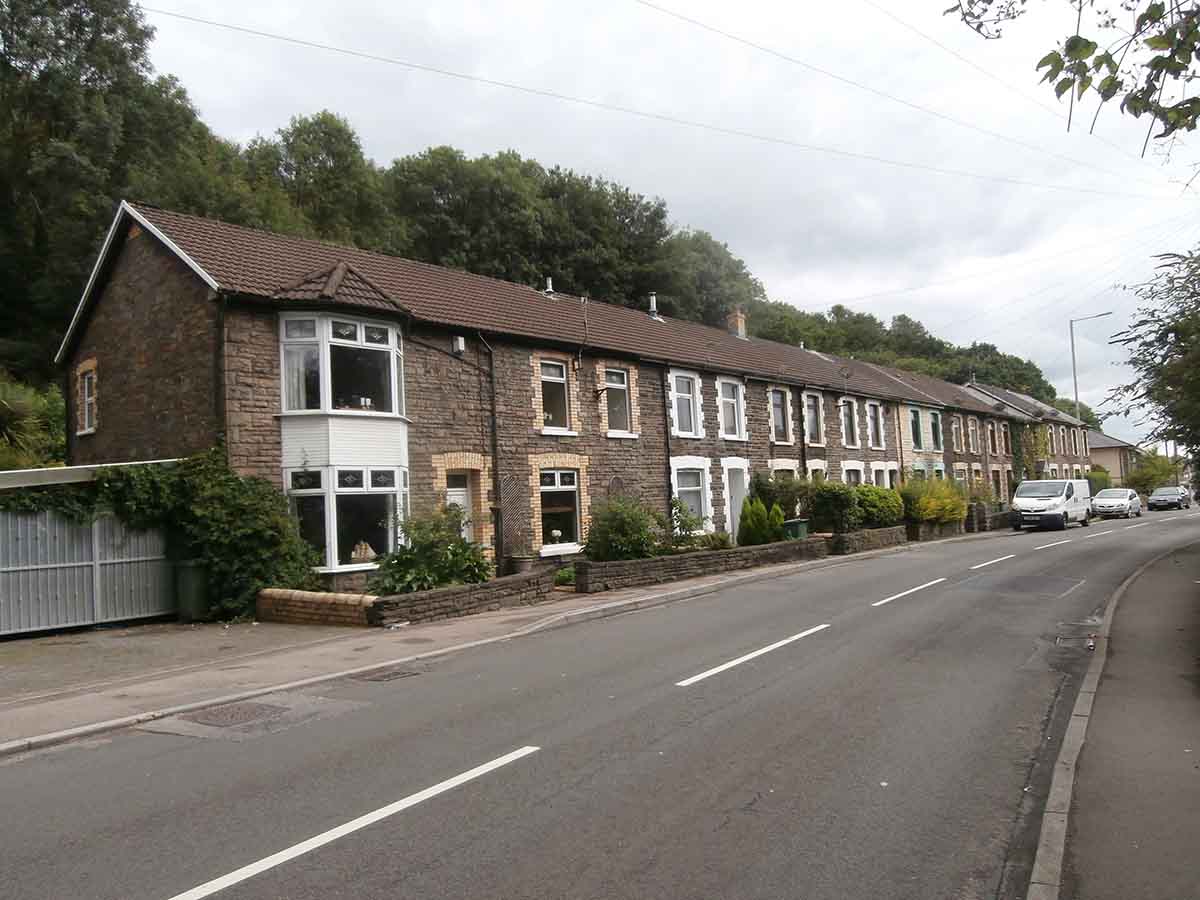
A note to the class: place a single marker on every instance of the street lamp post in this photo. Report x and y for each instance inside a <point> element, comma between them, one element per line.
<point>1074,374</point>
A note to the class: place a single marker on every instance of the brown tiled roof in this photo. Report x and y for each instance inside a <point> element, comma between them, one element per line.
<point>1100,440</point>
<point>340,284</point>
<point>1029,405</point>
<point>949,394</point>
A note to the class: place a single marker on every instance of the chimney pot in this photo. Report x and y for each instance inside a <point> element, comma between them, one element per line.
<point>549,285</point>
<point>654,306</point>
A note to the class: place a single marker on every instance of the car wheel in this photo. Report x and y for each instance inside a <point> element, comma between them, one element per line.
<point>1066,520</point>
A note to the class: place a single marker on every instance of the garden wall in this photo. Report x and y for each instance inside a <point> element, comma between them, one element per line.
<point>312,607</point>
<point>867,539</point>
<point>981,518</point>
<point>524,589</point>
<point>591,577</point>
<point>933,531</point>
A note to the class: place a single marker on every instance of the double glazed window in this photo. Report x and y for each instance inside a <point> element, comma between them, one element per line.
<point>555,407</point>
<point>1062,439</point>
<point>685,404</point>
<point>1074,441</point>
<point>732,397</point>
<point>689,488</point>
<point>992,446</point>
<point>559,490</point>
<point>956,434</point>
<point>1006,436</point>
<point>849,419</point>
<point>781,416</point>
<point>973,435</point>
<point>875,425</point>
<point>814,420</point>
<point>342,365</point>
<point>854,476</point>
<point>349,514</point>
<point>935,429</point>
<point>616,396</point>
<point>87,402</point>
<point>918,440</point>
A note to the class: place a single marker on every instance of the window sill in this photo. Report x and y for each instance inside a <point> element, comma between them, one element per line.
<point>559,432</point>
<point>878,447</point>
<point>85,432</point>
<point>814,444</point>
<point>680,434</point>
<point>560,549</point>
<point>627,435</point>
<point>352,413</point>
<point>356,567</point>
<point>736,438</point>
<point>781,443</point>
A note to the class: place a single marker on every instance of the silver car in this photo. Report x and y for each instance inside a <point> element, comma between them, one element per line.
<point>1117,503</point>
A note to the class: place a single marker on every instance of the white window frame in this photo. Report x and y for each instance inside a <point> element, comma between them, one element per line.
<point>842,422</point>
<point>565,381</point>
<point>739,409</point>
<point>324,340</point>
<point>628,392</point>
<point>566,547</point>
<point>1074,441</point>
<point>917,436</point>
<point>729,463</point>
<point>1062,440</point>
<point>961,472</point>
<point>788,438</point>
<point>817,465</point>
<point>855,465</point>
<point>784,464</point>
<point>330,491</point>
<point>956,433</point>
<point>936,436</point>
<point>878,468</point>
<point>1005,439</point>
<point>973,435</point>
<point>809,439</point>
<point>696,398</point>
<point>993,439</point>
<point>704,464</point>
<point>878,407</point>
<point>1053,470</point>
<point>87,400</point>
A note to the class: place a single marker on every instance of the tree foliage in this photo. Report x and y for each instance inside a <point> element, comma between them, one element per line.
<point>1086,414</point>
<point>32,425</point>
<point>1153,471</point>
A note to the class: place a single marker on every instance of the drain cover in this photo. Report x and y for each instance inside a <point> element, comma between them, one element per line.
<point>391,674</point>
<point>235,714</point>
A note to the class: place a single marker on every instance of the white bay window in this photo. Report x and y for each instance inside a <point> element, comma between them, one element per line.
<point>337,364</point>
<point>348,514</point>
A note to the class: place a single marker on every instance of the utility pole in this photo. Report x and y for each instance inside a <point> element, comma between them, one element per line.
<point>1074,374</point>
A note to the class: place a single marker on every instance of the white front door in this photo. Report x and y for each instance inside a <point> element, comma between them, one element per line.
<point>735,483</point>
<point>458,494</point>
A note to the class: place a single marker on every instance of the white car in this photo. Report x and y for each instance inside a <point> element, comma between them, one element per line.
<point>1120,503</point>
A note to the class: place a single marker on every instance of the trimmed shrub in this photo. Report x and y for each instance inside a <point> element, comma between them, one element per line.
<point>881,507</point>
<point>714,540</point>
<point>775,524</point>
<point>753,527</point>
<point>835,507</point>
<point>565,577</point>
<point>682,532</point>
<point>790,494</point>
<point>933,500</point>
<point>1099,479</point>
<point>433,554</point>
<point>623,528</point>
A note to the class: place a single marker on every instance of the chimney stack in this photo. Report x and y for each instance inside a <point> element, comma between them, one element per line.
<point>654,306</point>
<point>737,322</point>
<point>549,285</point>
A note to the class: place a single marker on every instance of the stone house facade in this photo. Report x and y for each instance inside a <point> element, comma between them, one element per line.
<point>366,386</point>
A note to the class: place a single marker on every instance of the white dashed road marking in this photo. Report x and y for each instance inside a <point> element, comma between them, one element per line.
<point>919,587</point>
<point>1138,525</point>
<point>1096,534</point>
<point>993,561</point>
<point>1055,544</point>
<point>688,682</point>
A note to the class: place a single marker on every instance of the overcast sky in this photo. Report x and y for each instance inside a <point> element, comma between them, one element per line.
<point>973,259</point>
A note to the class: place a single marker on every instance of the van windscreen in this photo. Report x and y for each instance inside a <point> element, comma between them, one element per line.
<point>1040,488</point>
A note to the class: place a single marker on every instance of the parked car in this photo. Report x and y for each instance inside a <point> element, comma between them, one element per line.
<point>1117,503</point>
<point>1053,503</point>
<point>1169,498</point>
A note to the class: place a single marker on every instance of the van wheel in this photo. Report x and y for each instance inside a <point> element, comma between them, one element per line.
<point>1086,521</point>
<point>1065,522</point>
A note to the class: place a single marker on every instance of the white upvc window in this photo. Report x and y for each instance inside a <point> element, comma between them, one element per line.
<point>973,434</point>
<point>1006,438</point>
<point>349,514</point>
<point>960,474</point>
<point>559,490</point>
<point>1054,471</point>
<point>618,402</point>
<point>848,416</point>
<point>814,419</point>
<point>956,434</point>
<point>779,407</point>
<point>914,429</point>
<point>817,469</point>
<point>1062,440</point>
<point>875,432</point>
<point>731,399</point>
<point>1074,441</point>
<point>691,482</point>
<point>687,412</point>
<point>852,471</point>
<point>1086,448</point>
<point>993,447</point>
<point>87,402</point>
<point>783,469</point>
<point>341,364</point>
<point>935,429</point>
<point>556,404</point>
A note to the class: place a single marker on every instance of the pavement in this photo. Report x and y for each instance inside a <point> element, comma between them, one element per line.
<point>1135,816</point>
<point>878,726</point>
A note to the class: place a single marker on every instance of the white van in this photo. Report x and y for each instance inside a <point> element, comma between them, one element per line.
<point>1051,503</point>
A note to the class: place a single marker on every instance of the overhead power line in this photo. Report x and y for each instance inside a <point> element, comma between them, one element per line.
<point>654,116</point>
<point>858,85</point>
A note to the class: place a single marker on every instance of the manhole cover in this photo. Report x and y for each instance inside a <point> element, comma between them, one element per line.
<point>235,714</point>
<point>386,675</point>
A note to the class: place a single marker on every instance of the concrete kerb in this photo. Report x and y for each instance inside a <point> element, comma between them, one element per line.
<point>556,620</point>
<point>1046,880</point>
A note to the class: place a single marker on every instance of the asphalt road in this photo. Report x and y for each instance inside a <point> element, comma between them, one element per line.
<point>899,752</point>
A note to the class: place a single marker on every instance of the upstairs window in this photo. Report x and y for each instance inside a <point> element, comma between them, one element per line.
<point>733,420</point>
<point>1007,438</point>
<point>685,404</point>
<point>918,440</point>
<point>935,428</point>
<point>814,420</point>
<point>849,419</point>
<point>781,416</point>
<point>341,365</point>
<point>86,416</point>
<point>554,396</point>
<point>991,430</point>
<point>956,435</point>
<point>1074,441</point>
<point>1062,439</point>
<point>616,395</point>
<point>875,425</point>
<point>973,435</point>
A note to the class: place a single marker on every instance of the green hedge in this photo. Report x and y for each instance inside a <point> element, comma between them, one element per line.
<point>834,507</point>
<point>933,500</point>
<point>881,507</point>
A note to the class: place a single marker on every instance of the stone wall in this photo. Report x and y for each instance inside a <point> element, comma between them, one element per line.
<point>464,599</point>
<point>867,539</point>
<point>591,577</point>
<point>312,607</point>
<point>832,451</point>
<point>252,392</point>
<point>981,518</point>
<point>151,338</point>
<point>933,531</point>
